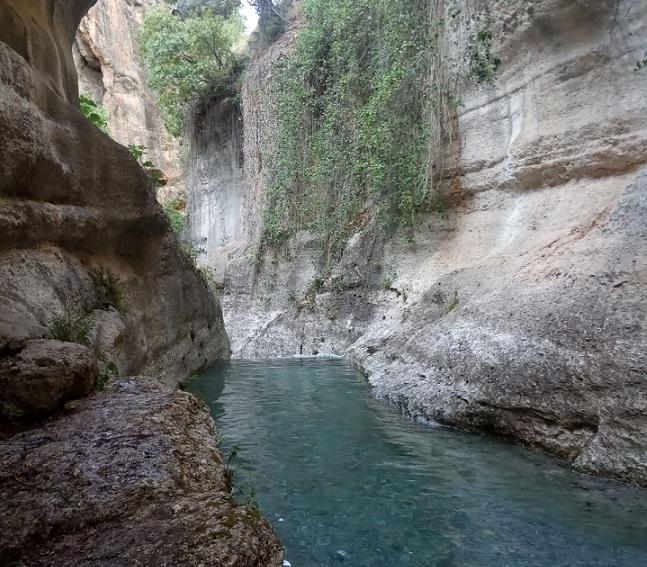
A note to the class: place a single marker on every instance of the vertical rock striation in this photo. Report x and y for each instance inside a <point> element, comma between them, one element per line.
<point>107,59</point>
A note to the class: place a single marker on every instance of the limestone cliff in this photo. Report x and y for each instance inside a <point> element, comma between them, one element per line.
<point>131,475</point>
<point>107,59</point>
<point>520,310</point>
<point>74,200</point>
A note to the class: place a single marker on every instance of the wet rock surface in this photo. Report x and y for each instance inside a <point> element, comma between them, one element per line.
<point>131,476</point>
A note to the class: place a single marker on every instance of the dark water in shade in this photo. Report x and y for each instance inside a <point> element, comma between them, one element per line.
<point>346,480</point>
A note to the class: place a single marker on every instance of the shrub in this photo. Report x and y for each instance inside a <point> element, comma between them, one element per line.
<point>186,8</point>
<point>73,325</point>
<point>453,302</point>
<point>174,211</point>
<point>94,112</point>
<point>157,176</point>
<point>107,369</point>
<point>642,63</point>
<point>107,290</point>
<point>483,64</point>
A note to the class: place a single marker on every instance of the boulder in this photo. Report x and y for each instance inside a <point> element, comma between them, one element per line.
<point>42,375</point>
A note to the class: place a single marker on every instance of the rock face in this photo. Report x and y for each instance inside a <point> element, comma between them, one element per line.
<point>521,309</point>
<point>110,71</point>
<point>72,201</point>
<point>131,476</point>
<point>154,491</point>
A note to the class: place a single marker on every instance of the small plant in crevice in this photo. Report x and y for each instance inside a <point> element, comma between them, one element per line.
<point>642,64</point>
<point>72,325</point>
<point>107,290</point>
<point>483,64</point>
<point>309,294</point>
<point>191,251</point>
<point>156,175</point>
<point>337,284</point>
<point>245,495</point>
<point>229,471</point>
<point>439,298</point>
<point>209,276</point>
<point>185,384</point>
<point>389,275</point>
<point>94,112</point>
<point>107,369</point>
<point>176,215</point>
<point>452,303</point>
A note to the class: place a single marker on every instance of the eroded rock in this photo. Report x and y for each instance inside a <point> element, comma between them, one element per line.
<point>131,476</point>
<point>44,374</point>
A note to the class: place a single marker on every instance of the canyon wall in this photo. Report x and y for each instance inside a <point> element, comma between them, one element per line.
<point>131,474</point>
<point>74,200</point>
<point>106,56</point>
<point>520,309</point>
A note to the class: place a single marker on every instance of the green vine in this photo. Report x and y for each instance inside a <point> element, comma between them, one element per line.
<point>354,102</point>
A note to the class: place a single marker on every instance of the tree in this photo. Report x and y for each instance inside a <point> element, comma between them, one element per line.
<point>271,18</point>
<point>188,58</point>
<point>187,8</point>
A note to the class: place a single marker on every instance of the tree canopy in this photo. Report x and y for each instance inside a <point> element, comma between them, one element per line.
<point>224,8</point>
<point>189,57</point>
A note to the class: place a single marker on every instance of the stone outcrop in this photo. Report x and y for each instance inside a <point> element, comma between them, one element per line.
<point>110,70</point>
<point>521,309</point>
<point>37,377</point>
<point>132,476</point>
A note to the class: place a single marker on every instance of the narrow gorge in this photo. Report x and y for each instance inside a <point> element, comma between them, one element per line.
<point>446,197</point>
<point>519,308</point>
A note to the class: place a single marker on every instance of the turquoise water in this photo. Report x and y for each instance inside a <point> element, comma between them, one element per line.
<point>346,480</point>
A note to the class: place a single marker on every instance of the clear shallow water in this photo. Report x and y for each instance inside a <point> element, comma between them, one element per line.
<point>346,480</point>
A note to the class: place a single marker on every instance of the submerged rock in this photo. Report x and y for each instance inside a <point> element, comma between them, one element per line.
<point>132,476</point>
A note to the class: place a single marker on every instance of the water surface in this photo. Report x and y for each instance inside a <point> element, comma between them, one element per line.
<point>346,480</point>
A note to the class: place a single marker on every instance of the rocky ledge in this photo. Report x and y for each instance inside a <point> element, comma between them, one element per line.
<point>129,476</point>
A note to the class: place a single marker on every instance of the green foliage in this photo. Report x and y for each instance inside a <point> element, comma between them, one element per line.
<point>353,139</point>
<point>209,276</point>
<point>107,290</point>
<point>389,276</point>
<point>136,151</point>
<point>191,251</point>
<point>107,369</point>
<point>483,64</point>
<point>642,64</point>
<point>186,8</point>
<point>176,216</point>
<point>188,59</point>
<point>73,325</point>
<point>272,20</point>
<point>157,176</point>
<point>453,302</point>
<point>94,112</point>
